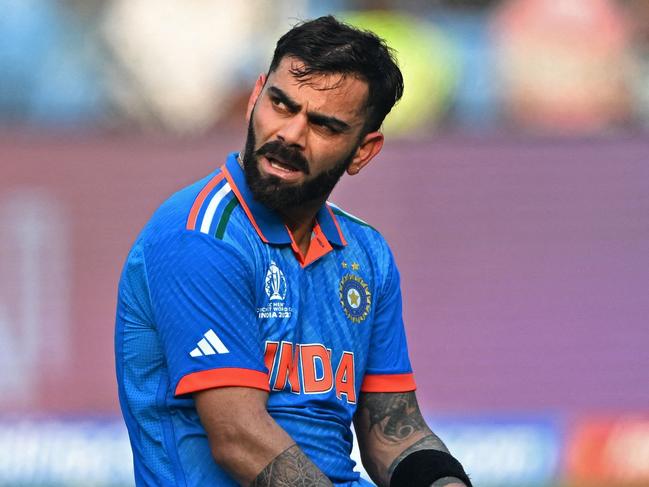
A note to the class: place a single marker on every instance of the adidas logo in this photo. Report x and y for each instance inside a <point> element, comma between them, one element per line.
<point>209,345</point>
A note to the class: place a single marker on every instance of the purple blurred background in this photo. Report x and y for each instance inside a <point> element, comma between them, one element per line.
<point>524,261</point>
<point>525,269</point>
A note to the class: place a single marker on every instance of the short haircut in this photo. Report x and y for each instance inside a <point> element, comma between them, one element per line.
<point>327,46</point>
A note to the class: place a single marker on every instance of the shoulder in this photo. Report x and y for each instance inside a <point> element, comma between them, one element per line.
<point>367,240</point>
<point>353,227</point>
<point>199,229</point>
<point>186,208</point>
<point>358,232</point>
<point>207,210</point>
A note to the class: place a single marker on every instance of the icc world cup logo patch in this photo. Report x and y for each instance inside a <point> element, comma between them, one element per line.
<point>275,283</point>
<point>355,297</point>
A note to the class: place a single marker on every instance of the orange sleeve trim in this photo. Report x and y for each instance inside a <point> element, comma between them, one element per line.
<point>198,202</point>
<point>225,377</point>
<point>244,204</point>
<point>389,383</point>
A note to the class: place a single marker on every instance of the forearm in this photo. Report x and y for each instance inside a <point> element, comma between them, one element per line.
<point>383,461</point>
<point>265,453</point>
<point>291,467</point>
<point>390,428</point>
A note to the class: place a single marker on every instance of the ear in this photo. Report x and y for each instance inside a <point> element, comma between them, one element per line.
<point>370,146</point>
<point>256,91</point>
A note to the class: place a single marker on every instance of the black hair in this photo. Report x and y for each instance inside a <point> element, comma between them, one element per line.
<point>327,46</point>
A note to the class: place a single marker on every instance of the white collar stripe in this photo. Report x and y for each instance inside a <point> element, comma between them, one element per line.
<point>212,206</point>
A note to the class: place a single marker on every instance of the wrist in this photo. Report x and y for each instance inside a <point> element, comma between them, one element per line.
<point>429,468</point>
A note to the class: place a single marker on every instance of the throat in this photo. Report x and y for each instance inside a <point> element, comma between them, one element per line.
<point>309,246</point>
<point>301,224</point>
<point>301,236</point>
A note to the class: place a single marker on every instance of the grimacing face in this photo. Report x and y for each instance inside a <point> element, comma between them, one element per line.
<point>303,135</point>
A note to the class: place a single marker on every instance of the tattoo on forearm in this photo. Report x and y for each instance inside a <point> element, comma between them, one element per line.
<point>291,468</point>
<point>430,442</point>
<point>394,421</point>
<point>396,415</point>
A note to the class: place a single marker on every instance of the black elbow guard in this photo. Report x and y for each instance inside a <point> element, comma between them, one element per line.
<point>423,467</point>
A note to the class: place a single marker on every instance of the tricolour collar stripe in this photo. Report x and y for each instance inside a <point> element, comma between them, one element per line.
<point>200,199</point>
<point>233,185</point>
<point>212,206</point>
<point>225,217</point>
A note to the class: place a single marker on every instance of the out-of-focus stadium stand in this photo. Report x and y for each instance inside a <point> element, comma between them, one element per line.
<point>518,183</point>
<point>558,66</point>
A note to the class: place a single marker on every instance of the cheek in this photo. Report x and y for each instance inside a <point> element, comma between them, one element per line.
<point>334,150</point>
<point>264,119</point>
<point>326,155</point>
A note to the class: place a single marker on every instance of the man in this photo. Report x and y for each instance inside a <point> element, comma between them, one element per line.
<point>255,320</point>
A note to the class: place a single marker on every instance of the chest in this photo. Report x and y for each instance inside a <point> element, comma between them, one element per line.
<point>330,302</point>
<point>316,321</point>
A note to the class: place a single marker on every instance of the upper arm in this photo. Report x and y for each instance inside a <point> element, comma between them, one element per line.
<point>203,305</point>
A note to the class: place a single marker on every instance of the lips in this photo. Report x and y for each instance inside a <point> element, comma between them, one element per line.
<point>283,158</point>
<point>281,164</point>
<point>273,168</point>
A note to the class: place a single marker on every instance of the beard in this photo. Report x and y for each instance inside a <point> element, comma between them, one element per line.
<point>278,195</point>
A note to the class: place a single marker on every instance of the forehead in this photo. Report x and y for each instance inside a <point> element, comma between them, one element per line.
<point>333,94</point>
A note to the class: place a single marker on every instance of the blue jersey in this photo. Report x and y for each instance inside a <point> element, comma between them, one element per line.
<point>216,293</point>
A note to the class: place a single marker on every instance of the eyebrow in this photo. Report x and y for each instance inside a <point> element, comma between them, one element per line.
<point>333,123</point>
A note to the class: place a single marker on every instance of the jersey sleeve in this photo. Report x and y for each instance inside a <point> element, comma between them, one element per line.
<point>388,366</point>
<point>202,298</point>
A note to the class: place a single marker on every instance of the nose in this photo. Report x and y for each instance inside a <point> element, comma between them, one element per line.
<point>293,131</point>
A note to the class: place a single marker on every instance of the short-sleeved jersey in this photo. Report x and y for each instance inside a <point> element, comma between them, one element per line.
<point>216,293</point>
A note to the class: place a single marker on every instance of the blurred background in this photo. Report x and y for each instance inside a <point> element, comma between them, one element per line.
<point>517,166</point>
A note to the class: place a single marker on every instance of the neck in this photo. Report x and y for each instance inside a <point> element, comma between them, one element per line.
<point>300,222</point>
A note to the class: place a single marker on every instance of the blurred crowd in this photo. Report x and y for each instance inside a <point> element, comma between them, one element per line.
<point>185,67</point>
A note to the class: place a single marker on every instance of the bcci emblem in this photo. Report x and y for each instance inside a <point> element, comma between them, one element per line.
<point>275,284</point>
<point>355,297</point>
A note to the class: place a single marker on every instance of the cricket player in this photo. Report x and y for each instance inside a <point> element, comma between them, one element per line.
<point>256,320</point>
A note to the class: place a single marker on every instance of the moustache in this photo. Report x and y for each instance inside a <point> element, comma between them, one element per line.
<point>285,154</point>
